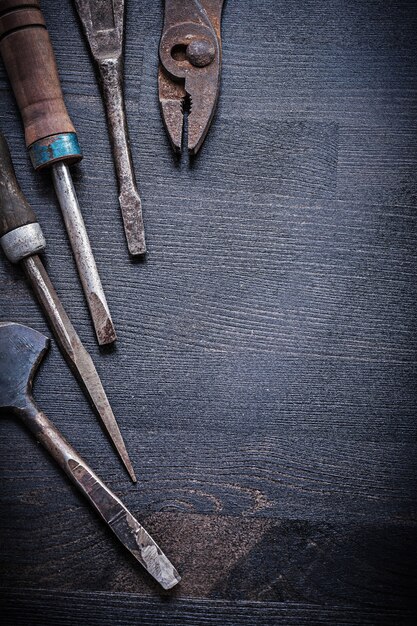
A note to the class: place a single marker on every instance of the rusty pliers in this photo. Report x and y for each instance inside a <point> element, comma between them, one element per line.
<point>189,69</point>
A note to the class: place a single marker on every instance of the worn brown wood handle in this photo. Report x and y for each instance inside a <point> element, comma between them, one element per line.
<point>14,208</point>
<point>29,59</point>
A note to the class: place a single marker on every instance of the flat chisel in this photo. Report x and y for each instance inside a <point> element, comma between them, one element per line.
<point>22,240</point>
<point>29,60</point>
<point>21,351</point>
<point>103,25</point>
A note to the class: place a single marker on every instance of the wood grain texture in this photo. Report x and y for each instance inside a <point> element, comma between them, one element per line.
<point>103,610</point>
<point>265,373</point>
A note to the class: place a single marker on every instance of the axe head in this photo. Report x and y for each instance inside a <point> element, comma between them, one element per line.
<point>21,351</point>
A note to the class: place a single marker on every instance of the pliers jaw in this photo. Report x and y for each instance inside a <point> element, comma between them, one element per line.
<point>189,70</point>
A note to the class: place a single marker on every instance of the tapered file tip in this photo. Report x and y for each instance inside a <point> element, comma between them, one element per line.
<point>133,475</point>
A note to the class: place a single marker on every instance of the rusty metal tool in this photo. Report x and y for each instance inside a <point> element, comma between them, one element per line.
<point>29,60</point>
<point>103,25</point>
<point>22,240</point>
<point>21,352</point>
<point>189,71</point>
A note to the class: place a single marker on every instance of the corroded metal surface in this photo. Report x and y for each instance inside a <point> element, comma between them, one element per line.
<point>21,351</point>
<point>83,254</point>
<point>23,241</point>
<point>103,25</point>
<point>190,67</point>
<point>125,526</point>
<point>74,353</point>
<point>50,136</point>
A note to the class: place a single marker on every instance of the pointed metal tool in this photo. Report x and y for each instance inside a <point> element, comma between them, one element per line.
<point>22,239</point>
<point>21,352</point>
<point>103,26</point>
<point>29,60</point>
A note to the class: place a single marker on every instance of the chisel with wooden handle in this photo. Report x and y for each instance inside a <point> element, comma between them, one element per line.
<point>22,241</point>
<point>50,137</point>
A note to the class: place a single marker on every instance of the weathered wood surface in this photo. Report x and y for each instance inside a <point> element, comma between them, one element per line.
<point>265,374</point>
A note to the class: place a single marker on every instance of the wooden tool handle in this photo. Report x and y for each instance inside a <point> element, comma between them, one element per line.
<point>15,211</point>
<point>30,63</point>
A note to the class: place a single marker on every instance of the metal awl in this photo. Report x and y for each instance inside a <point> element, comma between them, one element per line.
<point>103,26</point>
<point>22,240</point>
<point>29,60</point>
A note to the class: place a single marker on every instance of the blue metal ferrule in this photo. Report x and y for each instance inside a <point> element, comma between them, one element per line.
<point>63,147</point>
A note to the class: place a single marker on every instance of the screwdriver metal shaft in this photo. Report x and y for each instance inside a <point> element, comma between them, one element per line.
<point>74,352</point>
<point>29,60</point>
<point>83,254</point>
<point>22,240</point>
<point>103,25</point>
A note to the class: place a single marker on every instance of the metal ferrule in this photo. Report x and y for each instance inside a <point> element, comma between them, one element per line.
<point>22,242</point>
<point>62,147</point>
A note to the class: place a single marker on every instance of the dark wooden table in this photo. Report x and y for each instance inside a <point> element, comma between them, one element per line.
<point>265,373</point>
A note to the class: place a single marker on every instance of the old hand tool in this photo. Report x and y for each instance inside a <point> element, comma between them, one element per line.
<point>21,351</point>
<point>50,136</point>
<point>103,25</point>
<point>189,70</point>
<point>21,239</point>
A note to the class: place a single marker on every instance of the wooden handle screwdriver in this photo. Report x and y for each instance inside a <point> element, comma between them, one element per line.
<point>29,60</point>
<point>22,240</point>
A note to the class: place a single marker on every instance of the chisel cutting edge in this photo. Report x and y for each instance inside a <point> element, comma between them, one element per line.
<point>22,240</point>
<point>50,136</point>
<point>21,351</point>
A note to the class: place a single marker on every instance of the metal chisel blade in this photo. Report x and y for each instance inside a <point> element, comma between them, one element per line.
<point>75,354</point>
<point>124,525</point>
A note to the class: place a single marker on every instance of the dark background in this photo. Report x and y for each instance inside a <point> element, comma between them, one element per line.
<point>265,373</point>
